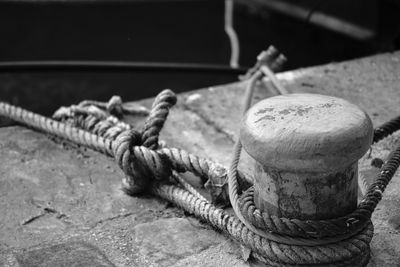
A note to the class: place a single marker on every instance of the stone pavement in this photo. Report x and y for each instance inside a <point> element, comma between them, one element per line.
<point>61,205</point>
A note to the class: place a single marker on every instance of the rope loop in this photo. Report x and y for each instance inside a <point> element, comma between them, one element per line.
<point>134,180</point>
<point>157,117</point>
<point>121,148</point>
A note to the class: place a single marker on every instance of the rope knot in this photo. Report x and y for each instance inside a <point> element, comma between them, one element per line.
<point>140,165</point>
<point>135,152</point>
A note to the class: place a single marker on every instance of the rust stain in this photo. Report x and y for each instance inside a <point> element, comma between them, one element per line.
<point>328,105</point>
<point>302,111</point>
<point>262,111</point>
<point>266,117</point>
<point>285,111</point>
<point>296,109</point>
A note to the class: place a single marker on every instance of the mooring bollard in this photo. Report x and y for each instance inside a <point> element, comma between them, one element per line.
<point>306,148</point>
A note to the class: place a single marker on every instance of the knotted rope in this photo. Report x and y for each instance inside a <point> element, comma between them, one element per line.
<point>148,166</point>
<point>154,167</point>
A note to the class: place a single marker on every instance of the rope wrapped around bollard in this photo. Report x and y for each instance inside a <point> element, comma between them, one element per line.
<point>147,167</point>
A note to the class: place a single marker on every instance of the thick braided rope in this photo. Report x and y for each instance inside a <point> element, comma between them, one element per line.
<point>287,254</point>
<point>115,107</point>
<point>188,162</point>
<point>144,159</point>
<point>183,161</point>
<point>386,129</point>
<point>93,118</point>
<point>158,114</point>
<point>380,132</point>
<point>126,139</point>
<point>188,186</point>
<point>108,128</point>
<point>204,174</point>
<point>66,131</point>
<point>176,153</point>
<point>344,253</point>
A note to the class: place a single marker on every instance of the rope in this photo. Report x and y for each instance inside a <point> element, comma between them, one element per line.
<point>158,115</point>
<point>380,132</point>
<point>386,129</point>
<point>148,166</point>
<point>270,252</point>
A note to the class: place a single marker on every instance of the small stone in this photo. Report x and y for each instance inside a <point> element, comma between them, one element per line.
<point>245,252</point>
<point>394,221</point>
<point>192,98</point>
<point>377,163</point>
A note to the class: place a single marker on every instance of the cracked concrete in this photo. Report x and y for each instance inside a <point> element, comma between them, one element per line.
<point>219,128</point>
<point>57,197</point>
<point>45,211</point>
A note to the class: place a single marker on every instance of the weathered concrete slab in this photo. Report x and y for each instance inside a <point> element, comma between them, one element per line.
<point>61,204</point>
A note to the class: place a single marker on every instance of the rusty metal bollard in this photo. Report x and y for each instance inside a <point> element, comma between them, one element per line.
<point>306,148</point>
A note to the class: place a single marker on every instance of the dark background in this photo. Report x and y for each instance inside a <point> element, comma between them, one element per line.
<point>190,31</point>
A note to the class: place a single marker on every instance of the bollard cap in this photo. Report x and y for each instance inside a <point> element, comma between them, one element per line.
<point>306,133</point>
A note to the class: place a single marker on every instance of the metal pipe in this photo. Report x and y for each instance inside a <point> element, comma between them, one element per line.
<point>320,19</point>
<point>70,65</point>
